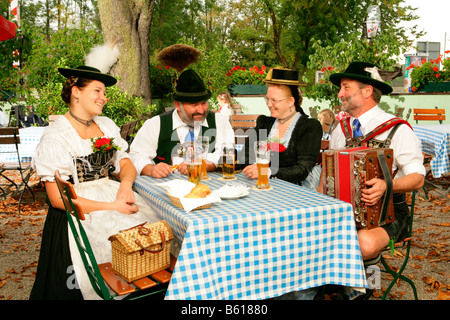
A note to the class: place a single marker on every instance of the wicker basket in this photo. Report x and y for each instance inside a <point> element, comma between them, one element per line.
<point>176,201</point>
<point>131,256</point>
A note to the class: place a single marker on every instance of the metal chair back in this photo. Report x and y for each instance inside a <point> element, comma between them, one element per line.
<point>12,161</point>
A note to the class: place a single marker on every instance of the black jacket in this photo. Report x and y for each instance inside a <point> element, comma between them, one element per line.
<point>302,152</point>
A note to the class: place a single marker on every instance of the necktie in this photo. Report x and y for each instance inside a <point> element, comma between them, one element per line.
<point>357,128</point>
<point>190,135</point>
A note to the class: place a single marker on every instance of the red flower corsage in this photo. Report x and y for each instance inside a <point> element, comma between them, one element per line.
<point>275,146</point>
<point>103,145</point>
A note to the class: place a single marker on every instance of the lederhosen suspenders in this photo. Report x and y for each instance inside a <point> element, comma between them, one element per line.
<point>351,142</point>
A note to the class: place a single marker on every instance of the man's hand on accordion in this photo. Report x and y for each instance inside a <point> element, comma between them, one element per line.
<point>374,190</point>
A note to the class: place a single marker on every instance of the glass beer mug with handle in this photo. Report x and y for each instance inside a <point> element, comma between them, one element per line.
<point>203,142</point>
<point>194,164</point>
<point>262,155</point>
<point>228,160</point>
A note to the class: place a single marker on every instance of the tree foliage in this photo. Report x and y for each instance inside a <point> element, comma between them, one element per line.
<point>300,34</point>
<point>383,50</point>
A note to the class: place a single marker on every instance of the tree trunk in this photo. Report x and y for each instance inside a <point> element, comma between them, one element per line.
<point>277,28</point>
<point>129,21</point>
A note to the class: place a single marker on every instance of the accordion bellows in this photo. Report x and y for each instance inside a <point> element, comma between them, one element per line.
<point>142,250</point>
<point>345,173</point>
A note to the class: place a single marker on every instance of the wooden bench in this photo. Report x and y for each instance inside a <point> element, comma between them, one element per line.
<point>244,121</point>
<point>127,130</point>
<point>241,123</point>
<point>399,112</point>
<point>237,108</point>
<point>408,114</point>
<point>429,114</point>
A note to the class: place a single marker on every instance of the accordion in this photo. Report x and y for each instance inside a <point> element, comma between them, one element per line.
<point>345,172</point>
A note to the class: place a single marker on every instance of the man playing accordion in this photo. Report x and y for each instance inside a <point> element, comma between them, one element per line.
<point>360,92</point>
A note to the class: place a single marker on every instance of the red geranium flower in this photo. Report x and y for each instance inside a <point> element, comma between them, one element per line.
<point>103,145</point>
<point>277,147</point>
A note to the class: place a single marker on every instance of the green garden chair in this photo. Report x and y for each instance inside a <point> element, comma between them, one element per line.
<point>102,277</point>
<point>404,243</point>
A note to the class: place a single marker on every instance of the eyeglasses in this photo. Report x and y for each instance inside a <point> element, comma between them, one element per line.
<point>273,101</point>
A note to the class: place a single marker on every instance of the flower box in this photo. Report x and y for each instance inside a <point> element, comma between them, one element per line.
<point>247,89</point>
<point>436,87</point>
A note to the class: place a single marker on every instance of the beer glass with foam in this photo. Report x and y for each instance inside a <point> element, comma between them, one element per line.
<point>203,142</point>
<point>262,155</point>
<point>194,163</point>
<point>228,160</point>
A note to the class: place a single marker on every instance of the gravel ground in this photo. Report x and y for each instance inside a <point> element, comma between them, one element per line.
<point>428,267</point>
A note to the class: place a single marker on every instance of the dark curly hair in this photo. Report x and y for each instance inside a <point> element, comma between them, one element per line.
<point>72,81</point>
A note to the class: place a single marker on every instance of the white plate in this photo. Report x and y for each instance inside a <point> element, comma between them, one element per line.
<point>241,195</point>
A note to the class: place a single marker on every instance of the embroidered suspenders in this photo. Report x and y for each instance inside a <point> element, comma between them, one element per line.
<point>368,139</point>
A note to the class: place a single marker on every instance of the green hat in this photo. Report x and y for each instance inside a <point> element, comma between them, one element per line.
<point>88,73</point>
<point>356,70</point>
<point>190,88</point>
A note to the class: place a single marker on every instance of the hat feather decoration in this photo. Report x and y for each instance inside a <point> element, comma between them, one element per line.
<point>178,56</point>
<point>104,56</point>
<point>384,75</point>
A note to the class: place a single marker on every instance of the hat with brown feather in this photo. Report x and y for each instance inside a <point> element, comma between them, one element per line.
<point>189,87</point>
<point>178,56</point>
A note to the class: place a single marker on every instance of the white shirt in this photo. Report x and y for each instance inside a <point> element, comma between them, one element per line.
<point>60,144</point>
<point>408,157</point>
<point>226,111</point>
<point>144,145</point>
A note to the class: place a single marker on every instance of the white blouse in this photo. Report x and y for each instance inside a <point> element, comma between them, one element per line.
<point>60,144</point>
<point>58,148</point>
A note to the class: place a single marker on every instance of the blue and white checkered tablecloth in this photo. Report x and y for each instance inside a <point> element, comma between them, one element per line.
<point>29,139</point>
<point>435,140</point>
<point>260,246</point>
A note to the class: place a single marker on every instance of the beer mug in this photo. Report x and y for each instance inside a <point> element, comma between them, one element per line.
<point>203,142</point>
<point>228,160</point>
<point>262,155</point>
<point>193,160</point>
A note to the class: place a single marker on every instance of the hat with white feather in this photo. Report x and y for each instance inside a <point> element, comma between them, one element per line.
<point>365,73</point>
<point>98,63</point>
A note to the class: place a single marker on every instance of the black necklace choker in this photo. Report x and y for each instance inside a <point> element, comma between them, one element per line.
<point>286,119</point>
<point>87,123</point>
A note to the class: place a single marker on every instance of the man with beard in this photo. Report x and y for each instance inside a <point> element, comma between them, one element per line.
<point>154,149</point>
<point>360,94</point>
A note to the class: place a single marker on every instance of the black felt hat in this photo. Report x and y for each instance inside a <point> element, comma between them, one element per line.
<point>356,70</point>
<point>88,73</point>
<point>190,88</point>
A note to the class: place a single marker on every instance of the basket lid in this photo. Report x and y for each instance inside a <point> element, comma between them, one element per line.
<point>147,234</point>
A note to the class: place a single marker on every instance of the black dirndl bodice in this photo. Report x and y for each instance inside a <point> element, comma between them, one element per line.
<point>94,166</point>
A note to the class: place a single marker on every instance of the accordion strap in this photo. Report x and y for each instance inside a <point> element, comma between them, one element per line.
<point>351,142</point>
<point>389,185</point>
<point>384,127</point>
